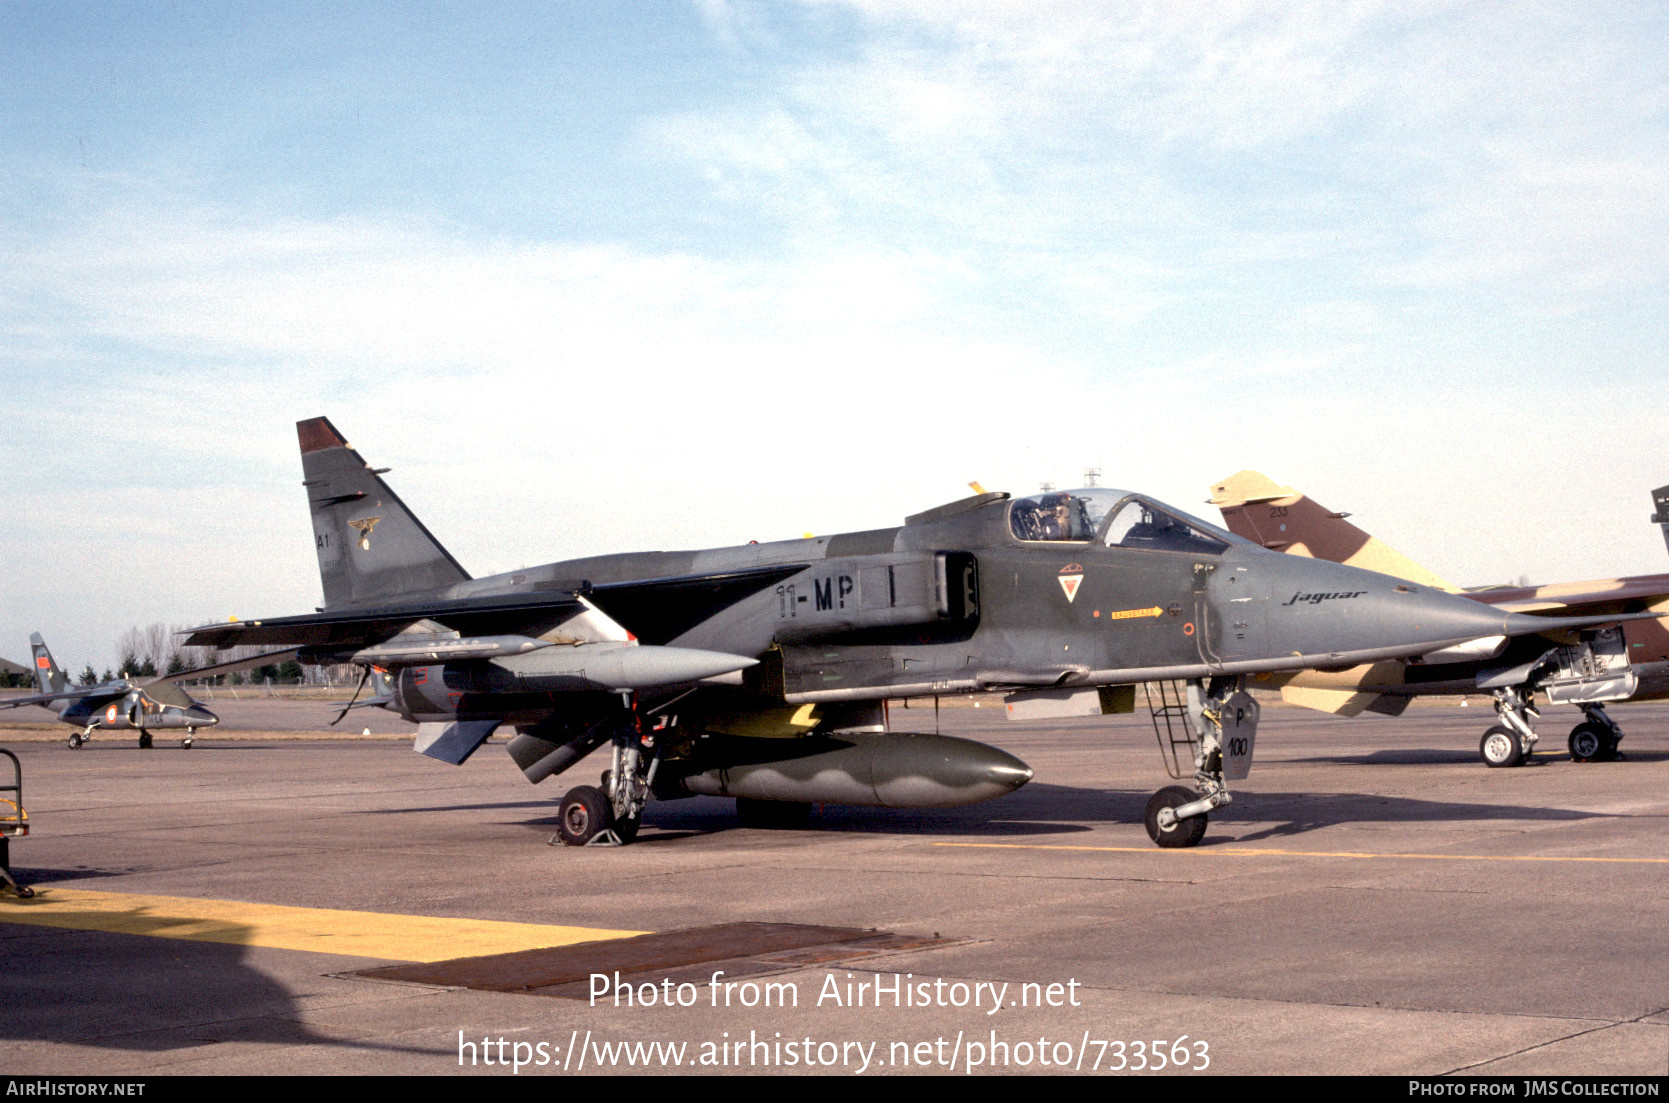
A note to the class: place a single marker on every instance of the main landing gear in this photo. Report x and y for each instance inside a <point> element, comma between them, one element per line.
<point>1513,741</point>
<point>1596,738</point>
<point>611,815</point>
<point>79,739</point>
<point>1585,674</point>
<point>1225,719</point>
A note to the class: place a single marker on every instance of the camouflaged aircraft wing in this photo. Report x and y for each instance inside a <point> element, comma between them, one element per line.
<point>659,610</point>
<point>470,616</point>
<point>653,610</point>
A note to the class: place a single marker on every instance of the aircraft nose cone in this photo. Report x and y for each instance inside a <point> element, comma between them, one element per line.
<point>1318,608</point>
<point>201,717</point>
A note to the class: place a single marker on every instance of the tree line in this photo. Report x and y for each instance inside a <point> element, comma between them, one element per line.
<point>155,649</point>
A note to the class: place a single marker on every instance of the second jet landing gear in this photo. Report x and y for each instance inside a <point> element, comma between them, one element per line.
<point>1513,740</point>
<point>612,814</point>
<point>1586,675</point>
<point>1225,719</point>
<point>1596,738</point>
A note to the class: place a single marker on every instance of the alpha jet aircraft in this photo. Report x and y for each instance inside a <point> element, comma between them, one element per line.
<point>120,704</point>
<point>1623,662</point>
<point>759,672</point>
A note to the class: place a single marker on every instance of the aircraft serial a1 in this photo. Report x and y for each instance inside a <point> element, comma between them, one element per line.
<point>759,671</point>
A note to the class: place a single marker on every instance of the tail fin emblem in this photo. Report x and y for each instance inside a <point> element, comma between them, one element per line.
<point>365,525</point>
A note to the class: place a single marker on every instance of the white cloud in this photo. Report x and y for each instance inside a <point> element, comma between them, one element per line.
<point>1432,145</point>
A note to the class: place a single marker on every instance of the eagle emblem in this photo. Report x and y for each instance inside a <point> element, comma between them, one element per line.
<point>365,525</point>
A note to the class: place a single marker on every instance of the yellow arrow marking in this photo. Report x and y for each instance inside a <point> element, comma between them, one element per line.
<point>1130,614</point>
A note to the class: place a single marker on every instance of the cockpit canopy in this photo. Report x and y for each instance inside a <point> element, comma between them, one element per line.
<point>1115,519</point>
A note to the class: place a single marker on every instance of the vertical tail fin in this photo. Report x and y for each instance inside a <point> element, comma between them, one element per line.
<point>370,546</point>
<point>1282,519</point>
<point>48,678</point>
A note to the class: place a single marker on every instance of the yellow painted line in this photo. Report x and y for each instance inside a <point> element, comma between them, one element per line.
<point>1251,853</point>
<point>278,926</point>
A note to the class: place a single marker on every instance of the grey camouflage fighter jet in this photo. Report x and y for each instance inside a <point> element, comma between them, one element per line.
<point>759,672</point>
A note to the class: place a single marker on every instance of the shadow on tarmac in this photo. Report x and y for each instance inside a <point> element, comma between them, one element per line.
<point>30,875</point>
<point>1044,809</point>
<point>1425,756</point>
<point>140,993</point>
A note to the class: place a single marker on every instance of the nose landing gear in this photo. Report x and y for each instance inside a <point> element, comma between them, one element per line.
<point>1225,720</point>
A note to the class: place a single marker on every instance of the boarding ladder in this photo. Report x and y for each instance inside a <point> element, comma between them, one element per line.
<point>1178,745</point>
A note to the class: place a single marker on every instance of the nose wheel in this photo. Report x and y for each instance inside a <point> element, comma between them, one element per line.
<point>1162,825</point>
<point>190,738</point>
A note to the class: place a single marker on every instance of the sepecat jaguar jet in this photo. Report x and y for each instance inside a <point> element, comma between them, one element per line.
<point>759,672</point>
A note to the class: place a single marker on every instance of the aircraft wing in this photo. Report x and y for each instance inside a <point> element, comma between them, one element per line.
<point>654,610</point>
<point>659,610</point>
<point>103,689</point>
<point>356,626</point>
<point>1598,596</point>
<point>266,658</point>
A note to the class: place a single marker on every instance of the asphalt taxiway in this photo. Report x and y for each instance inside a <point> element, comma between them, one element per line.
<point>1375,901</point>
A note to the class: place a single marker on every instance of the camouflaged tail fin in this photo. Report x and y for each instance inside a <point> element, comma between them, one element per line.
<point>1282,519</point>
<point>371,548</point>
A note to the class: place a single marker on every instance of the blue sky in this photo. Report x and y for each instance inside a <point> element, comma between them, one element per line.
<point>599,277</point>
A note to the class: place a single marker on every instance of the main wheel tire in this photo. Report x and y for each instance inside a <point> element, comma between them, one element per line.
<point>778,814</point>
<point>1182,833</point>
<point>1589,742</point>
<point>145,740</point>
<point>75,742</point>
<point>583,814</point>
<point>626,830</point>
<point>1501,747</point>
<point>1611,753</point>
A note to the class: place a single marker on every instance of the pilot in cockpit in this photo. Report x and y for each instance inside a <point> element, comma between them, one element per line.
<point>1055,516</point>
